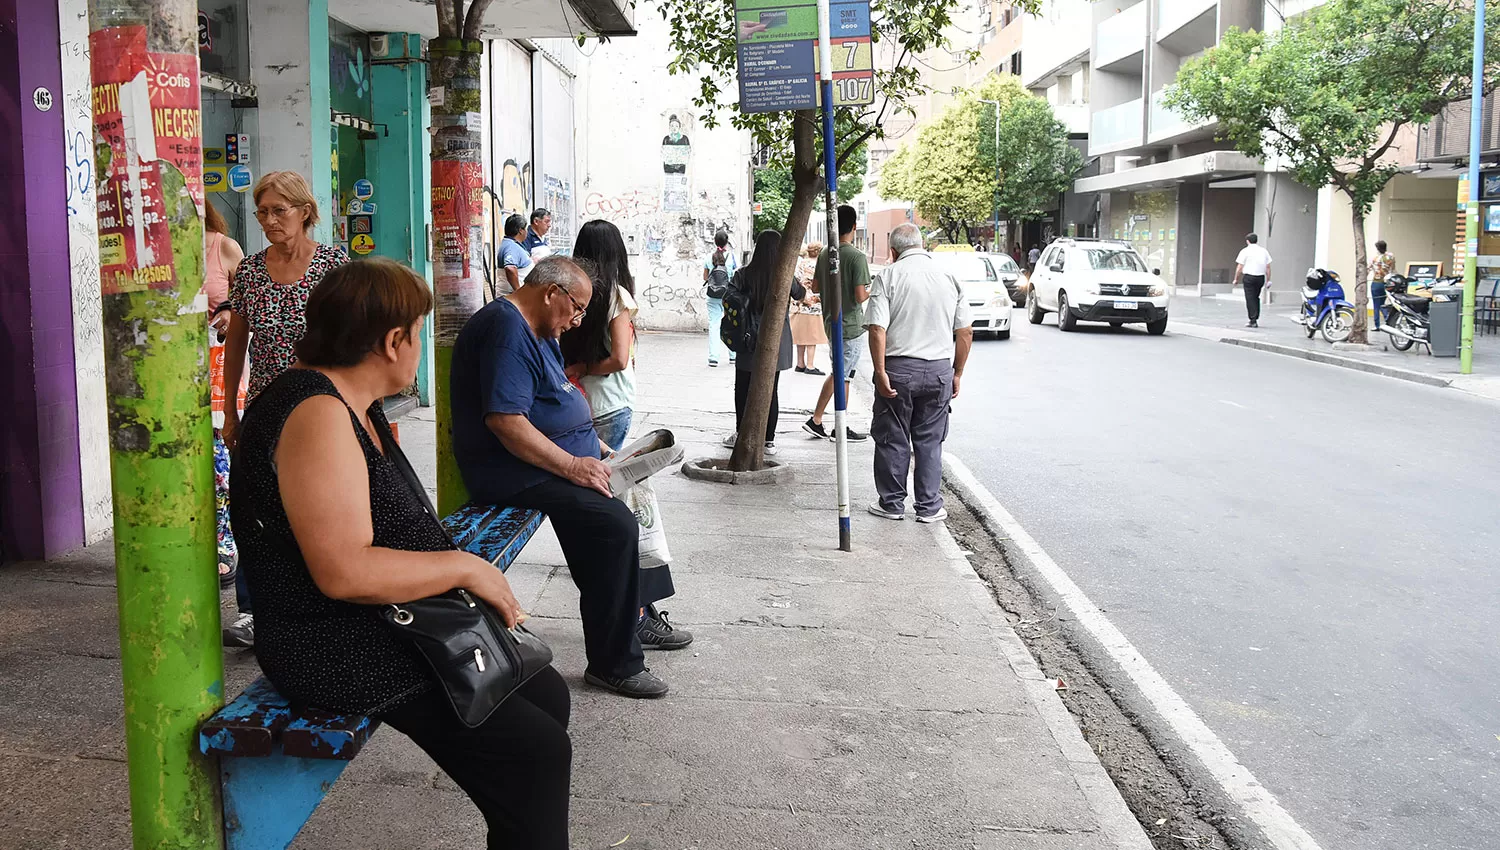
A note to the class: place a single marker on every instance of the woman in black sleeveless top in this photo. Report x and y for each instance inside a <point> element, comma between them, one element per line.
<point>332,531</point>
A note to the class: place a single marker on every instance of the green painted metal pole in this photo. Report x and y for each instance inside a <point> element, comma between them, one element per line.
<point>454,66</point>
<point>1471,211</point>
<point>148,158</point>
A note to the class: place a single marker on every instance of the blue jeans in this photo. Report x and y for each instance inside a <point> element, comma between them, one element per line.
<point>716,347</point>
<point>1377,296</point>
<point>614,427</point>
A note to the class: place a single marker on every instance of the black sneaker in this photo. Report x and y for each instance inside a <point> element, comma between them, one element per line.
<point>813,370</point>
<point>657,632</point>
<point>854,436</point>
<point>642,685</point>
<point>241,632</point>
<point>815,428</point>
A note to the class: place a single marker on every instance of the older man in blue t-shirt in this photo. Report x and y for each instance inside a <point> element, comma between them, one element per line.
<point>524,437</point>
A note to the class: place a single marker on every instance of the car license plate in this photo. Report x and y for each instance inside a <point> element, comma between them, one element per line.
<point>1127,305</point>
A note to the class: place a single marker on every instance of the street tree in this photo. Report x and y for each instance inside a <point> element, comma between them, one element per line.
<point>1035,160</point>
<point>1331,92</point>
<point>704,44</point>
<point>941,173</point>
<point>957,173</point>
<point>773,188</point>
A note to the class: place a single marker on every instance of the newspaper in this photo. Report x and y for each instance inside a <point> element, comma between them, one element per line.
<point>637,461</point>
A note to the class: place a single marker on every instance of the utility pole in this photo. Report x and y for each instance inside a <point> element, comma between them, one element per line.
<point>1471,211</point>
<point>456,92</point>
<point>836,342</point>
<point>148,155</point>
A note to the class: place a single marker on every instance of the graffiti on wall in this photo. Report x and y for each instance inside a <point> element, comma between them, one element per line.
<point>515,187</point>
<point>83,251</point>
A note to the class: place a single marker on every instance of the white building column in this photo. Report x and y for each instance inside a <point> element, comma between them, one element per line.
<point>289,67</point>
<point>1323,243</point>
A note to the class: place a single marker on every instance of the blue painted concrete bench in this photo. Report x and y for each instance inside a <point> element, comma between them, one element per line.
<point>277,761</point>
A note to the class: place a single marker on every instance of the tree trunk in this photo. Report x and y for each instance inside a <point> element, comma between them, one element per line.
<point>150,210</point>
<point>1360,335</point>
<point>749,448</point>
<point>455,92</point>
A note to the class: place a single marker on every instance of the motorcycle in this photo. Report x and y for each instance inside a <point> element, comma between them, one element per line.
<point>1405,316</point>
<point>1324,307</point>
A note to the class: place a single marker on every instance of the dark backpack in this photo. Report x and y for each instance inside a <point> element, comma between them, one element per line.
<point>737,330</point>
<point>718,282</point>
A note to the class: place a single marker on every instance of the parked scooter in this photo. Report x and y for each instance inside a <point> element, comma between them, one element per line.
<point>1405,317</point>
<point>1324,307</point>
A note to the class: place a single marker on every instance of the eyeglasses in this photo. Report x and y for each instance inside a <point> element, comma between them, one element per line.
<point>578,309</point>
<point>264,213</point>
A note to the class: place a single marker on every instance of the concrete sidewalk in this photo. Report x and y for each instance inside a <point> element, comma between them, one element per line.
<point>1222,319</point>
<point>831,700</point>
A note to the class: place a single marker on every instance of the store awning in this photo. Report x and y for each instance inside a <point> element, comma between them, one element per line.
<point>1203,166</point>
<point>505,19</point>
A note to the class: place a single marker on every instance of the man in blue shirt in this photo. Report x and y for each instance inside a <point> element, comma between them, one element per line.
<point>515,260</point>
<point>541,224</point>
<point>524,437</point>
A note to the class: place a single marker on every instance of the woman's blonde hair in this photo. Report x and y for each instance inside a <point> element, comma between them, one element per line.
<point>292,186</point>
<point>814,249</point>
<point>213,220</point>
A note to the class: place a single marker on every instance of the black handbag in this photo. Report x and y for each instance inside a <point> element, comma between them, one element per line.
<point>478,661</point>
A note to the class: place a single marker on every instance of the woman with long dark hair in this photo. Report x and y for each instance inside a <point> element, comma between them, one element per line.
<point>755,278</point>
<point>600,355</point>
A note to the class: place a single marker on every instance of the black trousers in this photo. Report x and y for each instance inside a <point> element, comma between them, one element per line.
<point>601,542</point>
<point>742,395</point>
<point>515,766</point>
<point>1253,284</point>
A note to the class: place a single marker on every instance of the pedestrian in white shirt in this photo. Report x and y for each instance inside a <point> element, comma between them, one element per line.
<point>1252,269</point>
<point>920,335</point>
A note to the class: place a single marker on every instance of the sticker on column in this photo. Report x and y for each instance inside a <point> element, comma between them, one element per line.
<point>215,178</point>
<point>42,99</point>
<point>364,189</point>
<point>240,178</point>
<point>363,243</point>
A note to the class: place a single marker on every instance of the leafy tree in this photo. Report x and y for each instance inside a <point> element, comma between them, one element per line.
<point>1036,160</point>
<point>951,173</point>
<point>941,173</point>
<point>1330,93</point>
<point>704,44</point>
<point>773,188</point>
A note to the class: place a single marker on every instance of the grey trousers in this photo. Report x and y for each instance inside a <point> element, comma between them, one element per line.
<point>913,425</point>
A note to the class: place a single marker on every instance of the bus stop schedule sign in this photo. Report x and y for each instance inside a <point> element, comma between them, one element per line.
<point>778,52</point>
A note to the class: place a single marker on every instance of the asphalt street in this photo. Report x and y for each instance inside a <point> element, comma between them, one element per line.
<point>1308,554</point>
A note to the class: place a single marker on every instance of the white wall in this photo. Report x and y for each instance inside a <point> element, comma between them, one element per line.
<point>1058,32</point>
<point>668,220</point>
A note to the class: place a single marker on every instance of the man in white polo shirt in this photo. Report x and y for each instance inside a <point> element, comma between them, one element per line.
<point>920,335</point>
<point>1252,269</point>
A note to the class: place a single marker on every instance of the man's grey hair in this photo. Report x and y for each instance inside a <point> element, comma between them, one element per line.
<point>566,272</point>
<point>906,237</point>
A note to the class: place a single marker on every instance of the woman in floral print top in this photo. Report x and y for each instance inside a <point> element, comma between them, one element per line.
<point>268,296</point>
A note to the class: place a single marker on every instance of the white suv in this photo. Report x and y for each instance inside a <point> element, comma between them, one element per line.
<point>1096,280</point>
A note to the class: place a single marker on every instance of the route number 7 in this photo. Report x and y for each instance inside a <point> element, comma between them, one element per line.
<point>850,46</point>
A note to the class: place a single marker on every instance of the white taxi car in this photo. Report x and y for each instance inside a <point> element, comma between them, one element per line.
<point>989,300</point>
<point>1097,280</point>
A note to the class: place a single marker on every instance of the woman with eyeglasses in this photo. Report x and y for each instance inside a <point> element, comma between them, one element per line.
<point>267,318</point>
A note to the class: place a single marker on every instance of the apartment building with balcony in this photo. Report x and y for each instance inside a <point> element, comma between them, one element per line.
<point>1183,199</point>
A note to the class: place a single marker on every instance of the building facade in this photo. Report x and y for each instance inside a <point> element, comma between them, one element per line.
<point>1183,199</point>
<point>335,90</point>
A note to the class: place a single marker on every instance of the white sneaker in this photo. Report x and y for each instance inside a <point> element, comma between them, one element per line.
<point>877,510</point>
<point>770,449</point>
<point>730,440</point>
<point>942,514</point>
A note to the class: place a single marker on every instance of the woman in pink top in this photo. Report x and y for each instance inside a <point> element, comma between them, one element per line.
<point>221,256</point>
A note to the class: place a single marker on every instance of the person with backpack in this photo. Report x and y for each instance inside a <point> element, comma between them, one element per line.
<point>717,270</point>
<point>744,302</point>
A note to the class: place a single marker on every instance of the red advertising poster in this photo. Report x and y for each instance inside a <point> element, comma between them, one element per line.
<point>149,146</point>
<point>457,219</point>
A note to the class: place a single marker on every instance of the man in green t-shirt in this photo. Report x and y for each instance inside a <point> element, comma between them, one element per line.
<point>854,275</point>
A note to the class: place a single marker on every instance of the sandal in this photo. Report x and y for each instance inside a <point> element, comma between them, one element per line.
<point>228,572</point>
